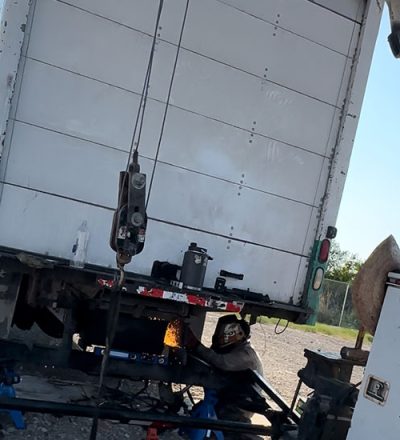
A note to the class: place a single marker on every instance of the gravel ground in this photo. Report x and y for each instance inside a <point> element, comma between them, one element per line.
<point>282,356</point>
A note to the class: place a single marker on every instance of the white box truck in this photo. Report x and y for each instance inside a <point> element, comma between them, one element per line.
<point>247,134</point>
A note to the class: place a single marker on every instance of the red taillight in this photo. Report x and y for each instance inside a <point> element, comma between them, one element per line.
<point>324,251</point>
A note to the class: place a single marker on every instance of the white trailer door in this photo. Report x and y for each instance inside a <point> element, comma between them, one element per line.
<point>252,124</point>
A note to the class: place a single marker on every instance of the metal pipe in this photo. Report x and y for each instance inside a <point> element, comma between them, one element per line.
<point>273,395</point>
<point>360,338</point>
<point>344,304</point>
<point>125,415</point>
<point>296,394</point>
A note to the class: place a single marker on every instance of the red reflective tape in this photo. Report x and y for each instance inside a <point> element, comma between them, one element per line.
<point>154,293</point>
<point>196,300</point>
<point>234,308</point>
<point>105,283</point>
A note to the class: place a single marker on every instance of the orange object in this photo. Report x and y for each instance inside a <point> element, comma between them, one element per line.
<point>173,334</point>
<point>152,434</point>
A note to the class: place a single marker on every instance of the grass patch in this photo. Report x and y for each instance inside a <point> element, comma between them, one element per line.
<point>324,329</point>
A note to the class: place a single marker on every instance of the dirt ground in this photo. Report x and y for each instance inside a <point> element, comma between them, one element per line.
<point>282,356</point>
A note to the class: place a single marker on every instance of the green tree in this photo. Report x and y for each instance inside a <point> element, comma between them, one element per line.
<point>342,265</point>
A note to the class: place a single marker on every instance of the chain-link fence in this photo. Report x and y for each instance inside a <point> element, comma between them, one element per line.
<point>335,306</point>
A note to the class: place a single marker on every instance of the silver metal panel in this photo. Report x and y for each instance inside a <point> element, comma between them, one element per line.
<point>110,53</point>
<point>263,268</point>
<point>240,99</point>
<point>201,202</point>
<point>139,14</point>
<point>220,150</point>
<point>73,168</point>
<point>304,18</point>
<point>43,223</point>
<point>71,104</point>
<point>372,420</point>
<point>265,51</point>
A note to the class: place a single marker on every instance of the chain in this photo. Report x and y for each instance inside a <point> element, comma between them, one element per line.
<point>121,278</point>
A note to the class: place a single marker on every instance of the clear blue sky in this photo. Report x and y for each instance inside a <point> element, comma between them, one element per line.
<point>370,209</point>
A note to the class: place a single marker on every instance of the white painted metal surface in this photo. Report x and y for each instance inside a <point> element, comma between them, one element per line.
<point>307,18</point>
<point>26,166</point>
<point>47,224</point>
<point>83,108</point>
<point>239,156</point>
<point>278,51</point>
<point>237,98</point>
<point>12,30</point>
<point>244,161</point>
<point>344,136</point>
<point>351,9</point>
<point>100,49</point>
<point>229,255</point>
<point>228,210</point>
<point>138,14</point>
<point>375,419</point>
